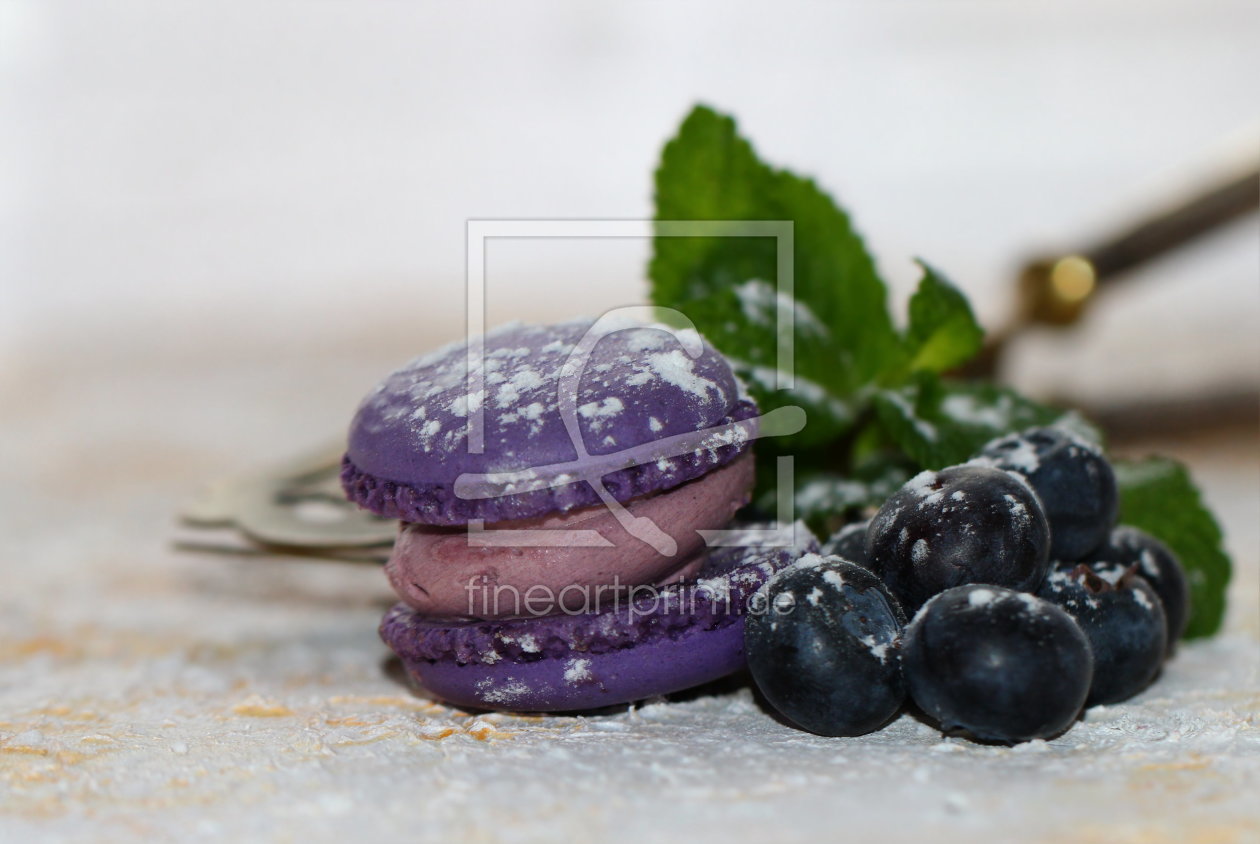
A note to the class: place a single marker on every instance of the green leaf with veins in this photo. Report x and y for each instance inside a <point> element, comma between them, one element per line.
<point>942,423</point>
<point>943,333</point>
<point>741,321</point>
<point>727,285</point>
<point>823,498</point>
<point>1158,496</point>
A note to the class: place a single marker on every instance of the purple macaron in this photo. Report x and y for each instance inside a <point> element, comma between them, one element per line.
<point>599,456</point>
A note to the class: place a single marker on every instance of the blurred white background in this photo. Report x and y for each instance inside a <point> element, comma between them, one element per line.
<point>272,164</point>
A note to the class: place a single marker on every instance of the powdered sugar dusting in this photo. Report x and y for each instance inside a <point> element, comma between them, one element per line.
<point>925,429</point>
<point>1143,601</point>
<point>602,412</point>
<point>505,692</point>
<point>981,597</point>
<point>919,551</point>
<point>633,369</point>
<point>677,368</point>
<point>922,484</point>
<point>577,671</point>
<point>879,647</point>
<point>762,303</point>
<point>1016,453</point>
<point>1018,510</point>
<point>796,536</point>
<point>527,642</point>
<point>833,579</point>
<point>968,410</point>
<point>1031,603</point>
<point>811,560</point>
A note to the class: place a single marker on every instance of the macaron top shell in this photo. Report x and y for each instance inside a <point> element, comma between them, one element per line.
<point>409,441</point>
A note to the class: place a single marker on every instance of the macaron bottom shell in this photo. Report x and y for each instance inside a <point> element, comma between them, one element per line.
<point>591,681</point>
<point>684,635</point>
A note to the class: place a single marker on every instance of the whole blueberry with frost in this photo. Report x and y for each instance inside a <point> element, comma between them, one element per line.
<point>1123,619</point>
<point>849,542</point>
<point>964,524</point>
<point>1003,665</point>
<point>1073,479</point>
<point>822,644</point>
<point>1158,566</point>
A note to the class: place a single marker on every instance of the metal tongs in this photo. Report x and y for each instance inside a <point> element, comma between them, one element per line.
<point>291,509</point>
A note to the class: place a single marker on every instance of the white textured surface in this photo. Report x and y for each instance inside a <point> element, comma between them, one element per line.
<point>148,693</point>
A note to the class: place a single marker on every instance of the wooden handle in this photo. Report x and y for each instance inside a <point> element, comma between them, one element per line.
<point>1057,290</point>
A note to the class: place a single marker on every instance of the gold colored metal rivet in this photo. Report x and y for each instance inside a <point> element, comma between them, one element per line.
<point>1073,279</point>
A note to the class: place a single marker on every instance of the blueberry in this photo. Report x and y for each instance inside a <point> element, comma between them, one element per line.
<point>849,542</point>
<point>1123,619</point>
<point>965,524</point>
<point>1158,566</point>
<point>1004,665</point>
<point>1074,481</point>
<point>822,645</point>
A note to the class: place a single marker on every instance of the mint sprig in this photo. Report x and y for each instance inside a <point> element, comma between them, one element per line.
<point>879,401</point>
<point>845,335</point>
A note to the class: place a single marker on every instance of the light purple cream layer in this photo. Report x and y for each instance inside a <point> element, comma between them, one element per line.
<point>445,572</point>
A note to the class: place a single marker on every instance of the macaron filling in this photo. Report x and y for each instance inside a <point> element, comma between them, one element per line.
<point>586,558</point>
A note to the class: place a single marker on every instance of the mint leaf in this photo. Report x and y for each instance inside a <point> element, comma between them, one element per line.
<point>826,499</point>
<point>742,322</point>
<point>942,423</point>
<point>943,333</point>
<point>1158,496</point>
<point>823,496</point>
<point>709,172</point>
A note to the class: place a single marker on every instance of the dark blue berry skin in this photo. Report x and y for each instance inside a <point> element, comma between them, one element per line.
<point>1123,619</point>
<point>964,524</point>
<point>1003,665</point>
<point>1072,478</point>
<point>849,542</point>
<point>1158,566</point>
<point>823,642</point>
